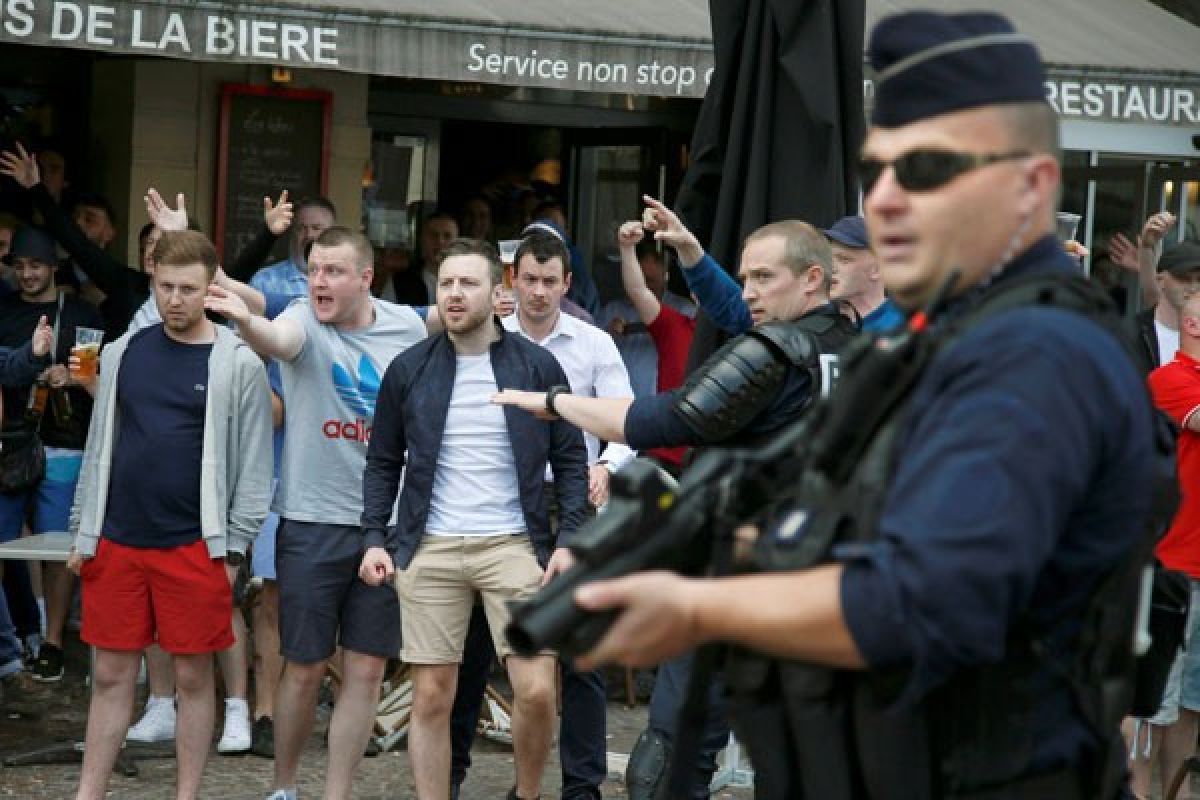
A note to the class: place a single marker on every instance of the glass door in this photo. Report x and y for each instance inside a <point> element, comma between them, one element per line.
<point>1115,194</point>
<point>607,173</point>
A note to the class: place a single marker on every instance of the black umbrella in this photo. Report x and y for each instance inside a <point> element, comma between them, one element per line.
<point>776,139</point>
<point>779,128</point>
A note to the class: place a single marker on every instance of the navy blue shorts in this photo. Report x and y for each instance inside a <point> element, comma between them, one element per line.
<point>322,602</point>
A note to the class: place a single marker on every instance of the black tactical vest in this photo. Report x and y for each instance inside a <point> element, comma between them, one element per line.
<point>815,732</point>
<point>741,380</point>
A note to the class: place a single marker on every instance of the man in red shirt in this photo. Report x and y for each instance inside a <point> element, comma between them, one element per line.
<point>670,330</point>
<point>1176,390</point>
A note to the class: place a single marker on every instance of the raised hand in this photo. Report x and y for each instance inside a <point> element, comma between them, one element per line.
<point>1123,252</point>
<point>1156,228</point>
<point>630,234</point>
<point>669,230</point>
<point>278,215</point>
<point>226,303</point>
<point>162,215</point>
<point>21,166</point>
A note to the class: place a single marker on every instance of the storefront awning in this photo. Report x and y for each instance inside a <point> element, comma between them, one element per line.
<point>652,47</point>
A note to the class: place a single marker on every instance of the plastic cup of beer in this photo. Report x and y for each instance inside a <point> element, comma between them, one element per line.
<point>1067,225</point>
<point>508,250</point>
<point>87,351</point>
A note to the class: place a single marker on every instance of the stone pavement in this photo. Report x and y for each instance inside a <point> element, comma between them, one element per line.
<point>61,715</point>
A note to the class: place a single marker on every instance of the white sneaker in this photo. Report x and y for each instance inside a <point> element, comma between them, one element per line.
<point>282,794</point>
<point>236,736</point>
<point>157,724</point>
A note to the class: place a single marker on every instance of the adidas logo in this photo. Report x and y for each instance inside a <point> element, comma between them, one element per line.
<point>359,396</point>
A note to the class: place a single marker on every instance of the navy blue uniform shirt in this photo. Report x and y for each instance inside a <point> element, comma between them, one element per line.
<point>1022,479</point>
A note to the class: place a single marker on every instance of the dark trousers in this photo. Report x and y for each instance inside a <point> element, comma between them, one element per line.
<point>22,603</point>
<point>581,738</point>
<point>670,691</point>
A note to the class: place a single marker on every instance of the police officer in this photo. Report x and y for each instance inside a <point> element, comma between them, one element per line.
<point>952,647</point>
<point>757,383</point>
<point>746,392</point>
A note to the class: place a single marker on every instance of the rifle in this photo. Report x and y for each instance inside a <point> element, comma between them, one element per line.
<point>649,524</point>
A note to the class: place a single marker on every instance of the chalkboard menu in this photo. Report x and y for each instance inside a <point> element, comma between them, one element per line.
<point>270,140</point>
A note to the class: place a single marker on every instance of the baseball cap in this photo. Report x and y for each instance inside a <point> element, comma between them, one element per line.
<point>1177,260</point>
<point>850,231</point>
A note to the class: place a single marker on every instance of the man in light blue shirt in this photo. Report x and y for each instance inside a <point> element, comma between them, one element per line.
<point>721,297</point>
<point>290,276</point>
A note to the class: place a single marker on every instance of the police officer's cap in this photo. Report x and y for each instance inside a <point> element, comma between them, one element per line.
<point>1180,259</point>
<point>929,64</point>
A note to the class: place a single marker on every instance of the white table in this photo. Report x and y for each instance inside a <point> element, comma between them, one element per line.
<point>49,546</point>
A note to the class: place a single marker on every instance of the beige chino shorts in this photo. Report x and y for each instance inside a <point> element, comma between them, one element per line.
<point>437,592</point>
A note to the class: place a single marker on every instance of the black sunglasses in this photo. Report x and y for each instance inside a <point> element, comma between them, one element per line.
<point>925,170</point>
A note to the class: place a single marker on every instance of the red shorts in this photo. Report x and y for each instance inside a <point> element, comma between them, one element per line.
<point>134,596</point>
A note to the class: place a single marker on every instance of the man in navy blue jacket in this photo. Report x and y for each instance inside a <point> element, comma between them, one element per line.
<point>472,516</point>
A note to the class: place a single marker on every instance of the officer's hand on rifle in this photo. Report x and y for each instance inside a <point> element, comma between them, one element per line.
<point>657,618</point>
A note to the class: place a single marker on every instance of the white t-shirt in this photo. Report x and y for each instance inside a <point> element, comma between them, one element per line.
<point>331,388</point>
<point>1168,342</point>
<point>475,488</point>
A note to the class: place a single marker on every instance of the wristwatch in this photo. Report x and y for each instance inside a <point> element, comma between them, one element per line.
<point>234,559</point>
<point>552,393</point>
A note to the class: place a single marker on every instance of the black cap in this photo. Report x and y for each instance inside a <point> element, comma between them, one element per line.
<point>30,242</point>
<point>929,63</point>
<point>1180,259</point>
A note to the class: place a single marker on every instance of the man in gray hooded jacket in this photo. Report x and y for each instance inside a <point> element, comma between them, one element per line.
<point>175,484</point>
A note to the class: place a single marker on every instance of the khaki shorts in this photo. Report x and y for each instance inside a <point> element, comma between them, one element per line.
<point>437,592</point>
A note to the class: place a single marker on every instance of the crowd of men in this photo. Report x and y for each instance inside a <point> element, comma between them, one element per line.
<point>399,457</point>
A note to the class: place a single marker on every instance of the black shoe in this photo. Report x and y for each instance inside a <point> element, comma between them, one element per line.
<point>455,788</point>
<point>512,795</point>
<point>48,668</point>
<point>262,738</point>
